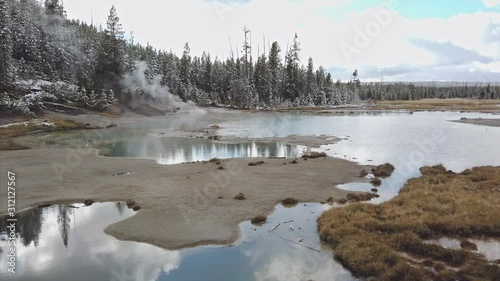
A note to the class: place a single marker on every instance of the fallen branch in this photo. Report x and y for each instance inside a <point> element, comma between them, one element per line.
<point>274,227</point>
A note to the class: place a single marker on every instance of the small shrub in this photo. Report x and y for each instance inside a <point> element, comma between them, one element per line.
<point>383,171</point>
<point>258,163</point>
<point>434,170</point>
<point>136,208</point>
<point>260,219</point>
<point>214,160</point>
<point>363,174</point>
<point>290,201</point>
<point>376,182</point>
<point>467,245</point>
<point>360,197</point>
<point>314,155</point>
<point>88,202</point>
<point>240,196</point>
<point>130,203</point>
<point>342,201</point>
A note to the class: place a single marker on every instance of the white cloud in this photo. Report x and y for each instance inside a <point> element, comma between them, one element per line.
<point>207,26</point>
<point>491,3</point>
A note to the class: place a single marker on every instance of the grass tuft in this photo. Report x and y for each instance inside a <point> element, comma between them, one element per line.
<point>239,196</point>
<point>383,171</point>
<point>260,219</point>
<point>376,182</point>
<point>290,201</point>
<point>314,155</point>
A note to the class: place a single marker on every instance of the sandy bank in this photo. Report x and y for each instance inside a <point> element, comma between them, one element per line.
<point>481,122</point>
<point>180,203</point>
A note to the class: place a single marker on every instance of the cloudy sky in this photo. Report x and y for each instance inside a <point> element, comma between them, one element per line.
<point>407,40</point>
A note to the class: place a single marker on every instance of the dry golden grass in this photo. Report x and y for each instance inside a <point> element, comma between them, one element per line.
<point>378,240</point>
<point>440,104</point>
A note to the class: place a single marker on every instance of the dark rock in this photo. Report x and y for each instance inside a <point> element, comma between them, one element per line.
<point>130,203</point>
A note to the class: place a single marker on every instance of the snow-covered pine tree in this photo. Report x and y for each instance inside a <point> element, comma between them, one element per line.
<point>312,93</point>
<point>275,72</point>
<point>110,63</point>
<point>291,90</point>
<point>6,66</point>
<point>55,12</point>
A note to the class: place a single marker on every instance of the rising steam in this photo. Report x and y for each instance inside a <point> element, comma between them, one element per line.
<point>150,91</point>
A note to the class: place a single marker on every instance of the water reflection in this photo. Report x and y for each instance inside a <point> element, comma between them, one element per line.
<point>29,227</point>
<point>292,251</point>
<point>180,150</point>
<point>67,243</point>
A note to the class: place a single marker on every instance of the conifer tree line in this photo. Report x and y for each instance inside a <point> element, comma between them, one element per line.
<point>86,65</point>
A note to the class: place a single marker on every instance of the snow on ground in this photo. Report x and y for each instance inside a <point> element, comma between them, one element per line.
<point>27,123</point>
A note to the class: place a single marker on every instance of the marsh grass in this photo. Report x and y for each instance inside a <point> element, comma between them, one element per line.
<point>8,134</point>
<point>383,171</point>
<point>440,104</point>
<point>387,240</point>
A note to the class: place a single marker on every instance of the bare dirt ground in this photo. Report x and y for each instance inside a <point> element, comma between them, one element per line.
<point>182,205</point>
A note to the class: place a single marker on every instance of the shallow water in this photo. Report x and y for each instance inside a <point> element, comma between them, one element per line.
<point>68,243</point>
<point>490,249</point>
<point>181,150</point>
<point>408,141</point>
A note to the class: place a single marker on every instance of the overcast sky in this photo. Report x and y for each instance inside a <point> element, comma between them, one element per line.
<point>410,40</point>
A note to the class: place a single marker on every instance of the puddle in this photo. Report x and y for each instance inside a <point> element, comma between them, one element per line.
<point>67,242</point>
<point>489,248</point>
